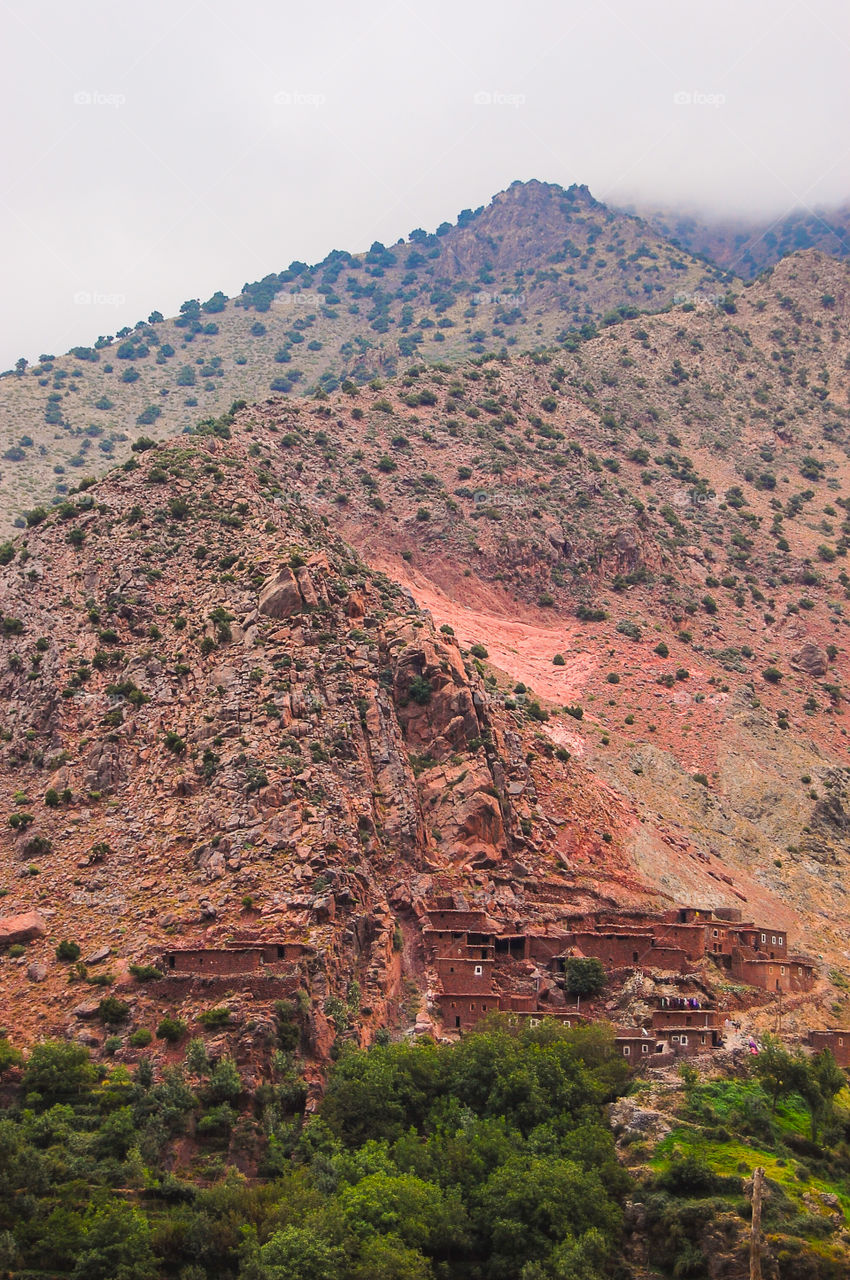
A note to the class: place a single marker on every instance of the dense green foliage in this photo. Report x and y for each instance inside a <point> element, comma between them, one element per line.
<point>695,1202</point>
<point>488,1160</point>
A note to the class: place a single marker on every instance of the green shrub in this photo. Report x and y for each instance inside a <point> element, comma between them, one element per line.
<point>420,690</point>
<point>583,975</point>
<point>174,742</point>
<point>112,1010</point>
<point>171,1029</point>
<point>214,1018</point>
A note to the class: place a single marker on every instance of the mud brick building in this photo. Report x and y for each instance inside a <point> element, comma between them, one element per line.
<point>784,973</point>
<point>481,965</point>
<point>462,973</point>
<point>639,1046</point>
<point>626,949</point>
<point>688,1029</point>
<point>235,959</point>
<point>722,937</point>
<point>462,1010</point>
<point>837,1040</point>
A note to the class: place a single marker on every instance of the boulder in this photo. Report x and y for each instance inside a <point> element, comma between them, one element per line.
<point>280,597</point>
<point>305,586</point>
<point>86,1010</point>
<point>811,659</point>
<point>37,972</point>
<point>355,605</point>
<point>22,928</point>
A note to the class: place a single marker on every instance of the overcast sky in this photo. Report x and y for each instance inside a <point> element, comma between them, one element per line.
<point>162,150</point>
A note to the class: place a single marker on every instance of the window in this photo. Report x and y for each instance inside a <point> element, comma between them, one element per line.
<point>763,938</point>
<point>683,1040</point>
<point>626,1051</point>
<point>782,968</point>
<point>715,934</point>
<point>644,1048</point>
<point>770,968</point>
<point>841,1040</point>
<point>779,940</point>
<point>479,969</point>
<point>533,1022</point>
<point>773,940</point>
<point>675,1039</point>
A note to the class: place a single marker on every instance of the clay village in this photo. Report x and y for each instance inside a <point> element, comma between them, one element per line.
<point>674,983</point>
<point>479,968</point>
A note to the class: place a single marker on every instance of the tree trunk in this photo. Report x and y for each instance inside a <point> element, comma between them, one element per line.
<point>755,1230</point>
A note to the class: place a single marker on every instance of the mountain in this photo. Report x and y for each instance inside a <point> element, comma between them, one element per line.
<point>220,720</point>
<point>545,634</point>
<point>536,264</point>
<point>745,247</point>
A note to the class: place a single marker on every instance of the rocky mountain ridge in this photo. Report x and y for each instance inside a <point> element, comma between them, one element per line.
<point>536,263</point>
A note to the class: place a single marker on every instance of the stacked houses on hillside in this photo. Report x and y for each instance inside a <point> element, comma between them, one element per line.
<point>480,967</point>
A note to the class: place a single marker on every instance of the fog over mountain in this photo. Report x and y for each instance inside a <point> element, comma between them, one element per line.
<point>162,154</point>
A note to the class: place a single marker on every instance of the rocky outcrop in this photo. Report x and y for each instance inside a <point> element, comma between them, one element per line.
<point>811,659</point>
<point>280,596</point>
<point>293,590</point>
<point>105,768</point>
<point>431,689</point>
